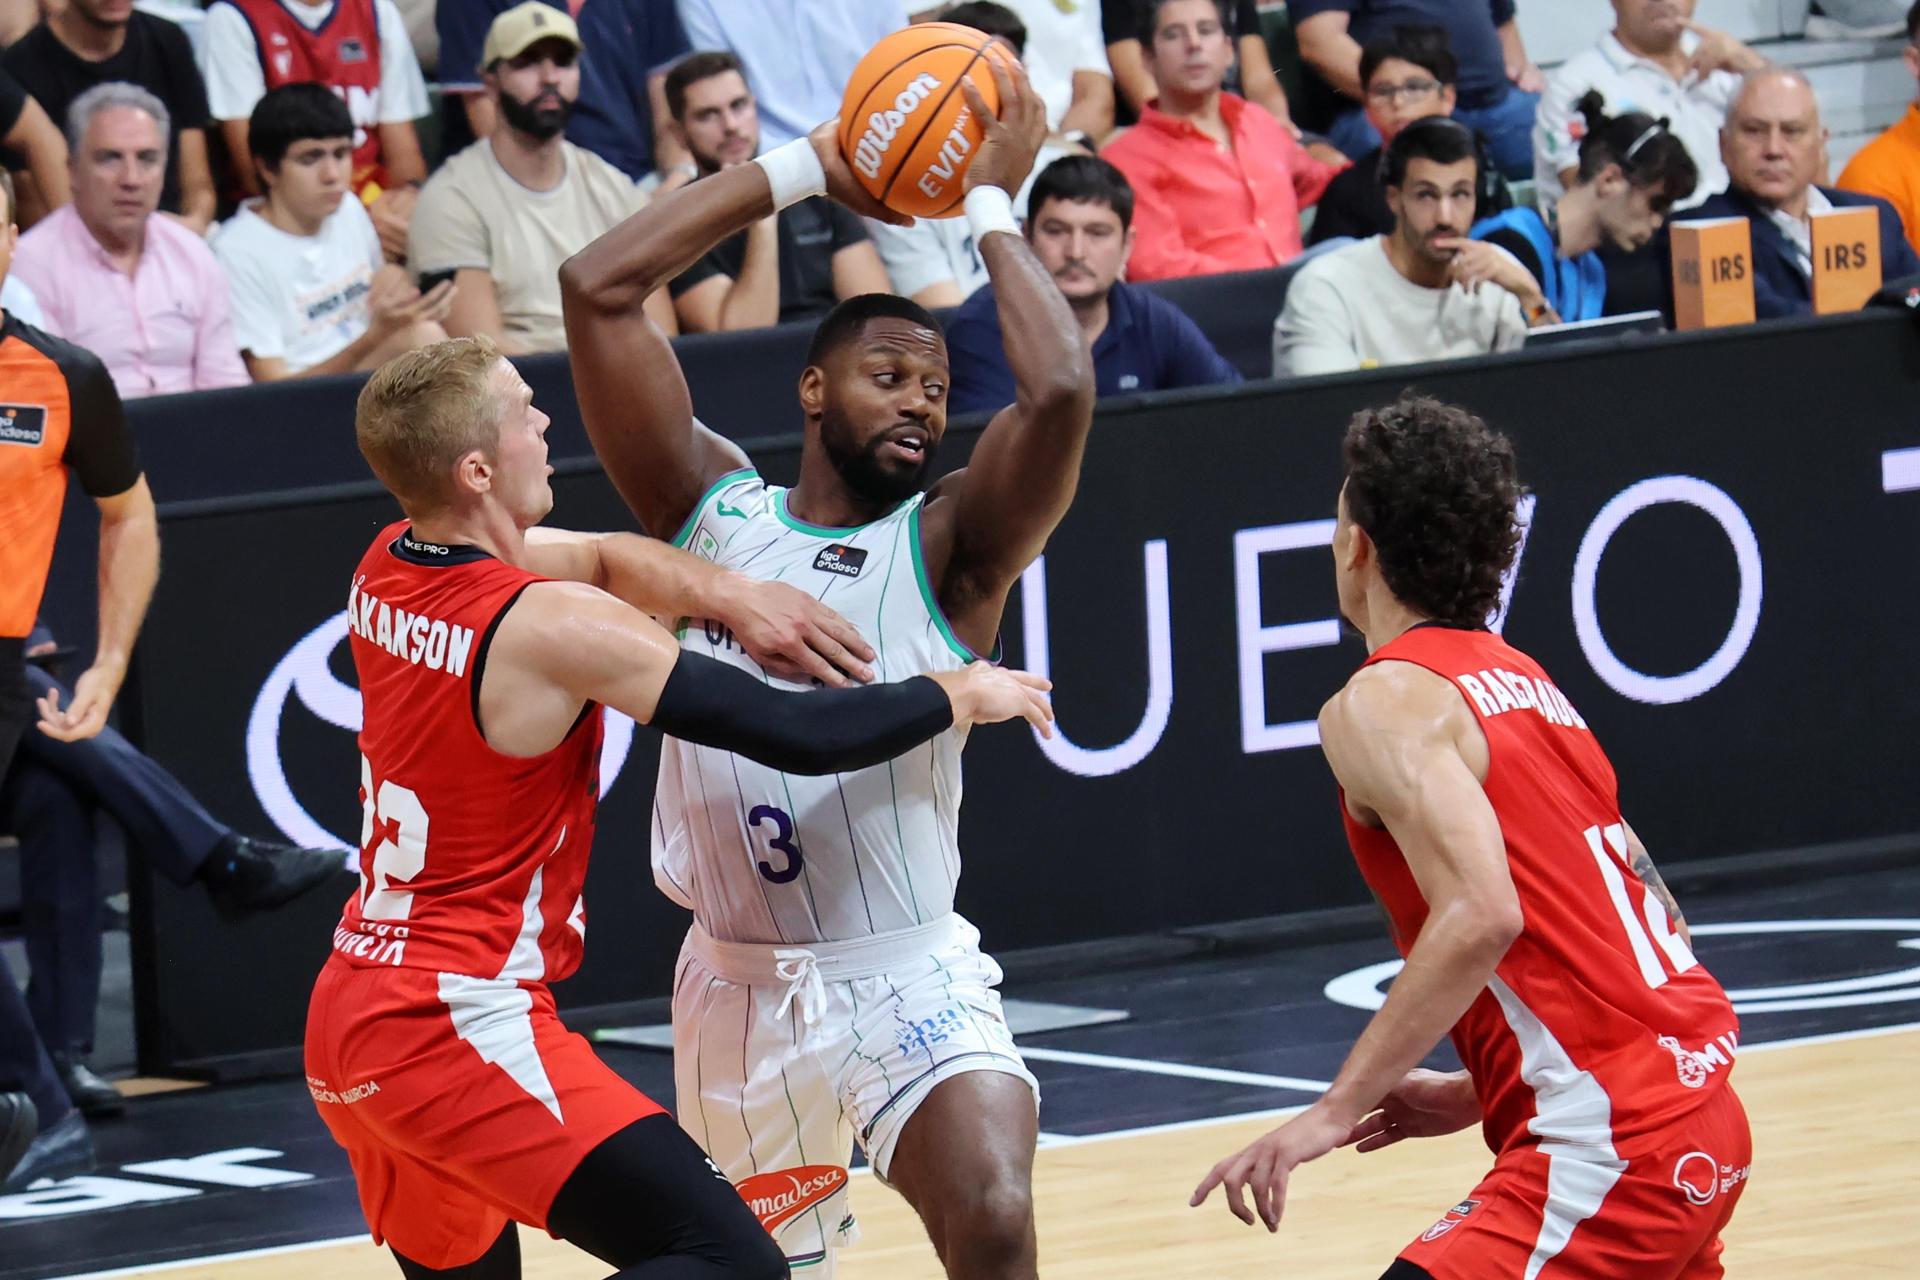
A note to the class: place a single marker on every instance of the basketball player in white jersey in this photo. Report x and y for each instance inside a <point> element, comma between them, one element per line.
<point>827,992</point>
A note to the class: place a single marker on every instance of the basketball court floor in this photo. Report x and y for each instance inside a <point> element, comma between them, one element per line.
<point>243,1183</point>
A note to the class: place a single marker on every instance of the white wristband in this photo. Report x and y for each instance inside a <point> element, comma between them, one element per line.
<point>794,173</point>
<point>990,209</point>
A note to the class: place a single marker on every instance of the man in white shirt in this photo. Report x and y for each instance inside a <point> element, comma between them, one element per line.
<point>501,216</point>
<point>357,48</point>
<point>797,56</point>
<point>1656,60</point>
<point>1422,291</point>
<point>311,293</point>
<point>1066,59</point>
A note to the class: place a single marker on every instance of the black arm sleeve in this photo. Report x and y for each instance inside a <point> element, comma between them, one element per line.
<point>819,731</point>
<point>100,445</point>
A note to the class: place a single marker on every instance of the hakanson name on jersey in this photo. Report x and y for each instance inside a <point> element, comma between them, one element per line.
<point>414,637</point>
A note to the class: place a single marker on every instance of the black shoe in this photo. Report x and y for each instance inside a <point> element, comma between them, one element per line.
<point>244,876</point>
<point>19,1124</point>
<point>59,1152</point>
<point>94,1096</point>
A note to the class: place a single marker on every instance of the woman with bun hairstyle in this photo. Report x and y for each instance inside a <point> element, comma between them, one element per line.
<point>1631,171</point>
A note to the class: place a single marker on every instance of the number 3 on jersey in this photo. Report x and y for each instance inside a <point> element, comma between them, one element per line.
<point>1614,837</point>
<point>393,815</point>
<point>781,841</point>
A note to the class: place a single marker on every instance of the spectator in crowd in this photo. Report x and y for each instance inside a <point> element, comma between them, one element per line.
<point>51,799</point>
<point>1423,291</point>
<point>792,265</point>
<point>312,293</point>
<point>135,287</point>
<point>357,48</point>
<point>1655,61</point>
<point>1498,88</point>
<point>1252,76</point>
<point>1408,74</point>
<point>622,113</point>
<point>502,215</point>
<point>935,261</point>
<point>1079,220</point>
<point>1774,147</point>
<point>31,145</point>
<point>798,57</point>
<point>90,42</point>
<point>1220,184</point>
<point>81,427</point>
<point>1631,171</point>
<point>1066,59</point>
<point>1889,166</point>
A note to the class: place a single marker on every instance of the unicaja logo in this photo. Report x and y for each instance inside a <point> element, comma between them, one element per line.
<point>884,126</point>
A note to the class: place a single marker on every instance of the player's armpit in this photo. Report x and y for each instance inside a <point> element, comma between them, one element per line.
<point>1642,864</point>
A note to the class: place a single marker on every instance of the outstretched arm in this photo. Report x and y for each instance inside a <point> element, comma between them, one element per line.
<point>1396,739</point>
<point>1021,478</point>
<point>781,627</point>
<point>633,396</point>
<point>565,644</point>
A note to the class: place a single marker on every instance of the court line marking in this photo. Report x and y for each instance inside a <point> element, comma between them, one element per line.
<point>1155,1067</point>
<point>1061,1140</point>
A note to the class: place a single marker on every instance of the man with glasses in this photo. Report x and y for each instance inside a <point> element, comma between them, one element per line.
<point>1889,166</point>
<point>1407,74</point>
<point>1657,61</point>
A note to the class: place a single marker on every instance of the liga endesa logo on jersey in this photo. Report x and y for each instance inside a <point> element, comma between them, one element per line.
<point>783,1194</point>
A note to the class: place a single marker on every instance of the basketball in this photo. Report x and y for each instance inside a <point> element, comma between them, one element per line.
<point>905,126</point>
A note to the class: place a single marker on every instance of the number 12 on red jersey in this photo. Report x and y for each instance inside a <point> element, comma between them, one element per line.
<point>1658,928</point>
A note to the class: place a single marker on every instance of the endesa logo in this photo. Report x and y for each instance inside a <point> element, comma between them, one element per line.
<point>785,1193</point>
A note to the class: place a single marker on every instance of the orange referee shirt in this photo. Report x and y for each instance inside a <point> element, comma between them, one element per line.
<point>58,409</point>
<point>1889,167</point>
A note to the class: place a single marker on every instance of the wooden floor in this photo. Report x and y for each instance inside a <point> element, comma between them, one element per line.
<point>1835,1130</point>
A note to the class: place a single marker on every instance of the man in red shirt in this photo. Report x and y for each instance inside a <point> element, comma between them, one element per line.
<point>1219,187</point>
<point>1486,820</point>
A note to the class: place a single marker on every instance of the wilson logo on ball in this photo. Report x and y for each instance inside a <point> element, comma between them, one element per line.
<point>884,126</point>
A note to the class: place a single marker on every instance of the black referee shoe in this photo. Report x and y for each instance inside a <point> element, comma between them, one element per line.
<point>59,1152</point>
<point>94,1096</point>
<point>19,1125</point>
<point>244,876</point>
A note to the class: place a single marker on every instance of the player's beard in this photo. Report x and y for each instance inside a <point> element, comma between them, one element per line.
<point>860,466</point>
<point>538,123</point>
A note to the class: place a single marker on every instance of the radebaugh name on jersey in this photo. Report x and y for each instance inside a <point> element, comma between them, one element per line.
<point>766,857</point>
<point>411,637</point>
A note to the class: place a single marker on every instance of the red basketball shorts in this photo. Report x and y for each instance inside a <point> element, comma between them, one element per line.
<point>462,1102</point>
<point>1557,1216</point>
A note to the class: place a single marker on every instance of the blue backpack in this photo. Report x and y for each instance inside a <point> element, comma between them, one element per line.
<point>1576,288</point>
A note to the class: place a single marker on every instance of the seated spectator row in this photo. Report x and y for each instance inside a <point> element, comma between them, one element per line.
<point>320,102</point>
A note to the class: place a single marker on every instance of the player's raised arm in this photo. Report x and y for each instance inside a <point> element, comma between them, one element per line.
<point>1399,738</point>
<point>1024,470</point>
<point>782,628</point>
<point>633,396</point>
<point>563,644</point>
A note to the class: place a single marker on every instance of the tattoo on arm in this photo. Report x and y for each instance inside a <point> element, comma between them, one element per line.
<point>1644,868</point>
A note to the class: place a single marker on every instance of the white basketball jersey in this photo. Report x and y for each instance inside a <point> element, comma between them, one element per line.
<point>765,856</point>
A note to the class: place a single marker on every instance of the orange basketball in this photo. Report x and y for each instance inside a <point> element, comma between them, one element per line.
<point>905,126</point>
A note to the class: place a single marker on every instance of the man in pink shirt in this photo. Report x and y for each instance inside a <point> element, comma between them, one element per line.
<point>134,286</point>
<point>1219,186</point>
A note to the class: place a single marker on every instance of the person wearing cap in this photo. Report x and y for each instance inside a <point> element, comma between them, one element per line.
<point>501,216</point>
<point>357,48</point>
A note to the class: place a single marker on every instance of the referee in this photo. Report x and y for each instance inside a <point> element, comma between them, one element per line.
<point>58,412</point>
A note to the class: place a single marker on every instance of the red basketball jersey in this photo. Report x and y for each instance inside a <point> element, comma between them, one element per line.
<point>1599,1028</point>
<point>344,55</point>
<point>471,862</point>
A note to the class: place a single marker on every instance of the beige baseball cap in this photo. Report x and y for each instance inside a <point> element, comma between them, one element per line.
<point>525,25</point>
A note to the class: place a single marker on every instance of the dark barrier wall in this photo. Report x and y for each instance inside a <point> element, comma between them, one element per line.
<point>1718,572</point>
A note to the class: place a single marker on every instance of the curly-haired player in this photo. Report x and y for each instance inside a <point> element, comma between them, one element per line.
<point>1536,931</point>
